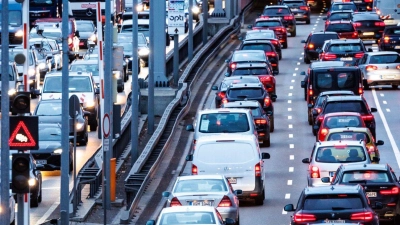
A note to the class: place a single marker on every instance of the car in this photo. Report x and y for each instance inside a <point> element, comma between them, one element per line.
<point>88,66</point>
<point>283,12</point>
<point>364,5</point>
<point>336,120</point>
<point>51,49</point>
<point>274,24</point>
<point>346,50</point>
<point>11,207</point>
<point>349,103</point>
<point>356,133</point>
<point>333,204</point>
<point>380,184</point>
<point>341,5</point>
<point>314,41</point>
<point>317,106</point>
<point>143,47</point>
<point>300,8</point>
<point>380,68</point>
<point>261,118</point>
<point>143,27</point>
<point>344,28</point>
<point>369,26</point>
<point>245,56</point>
<point>237,157</point>
<point>221,89</point>
<point>267,47</point>
<point>257,92</point>
<point>49,111</point>
<point>338,15</point>
<point>265,35</point>
<point>49,153</point>
<point>13,82</point>
<point>205,190</point>
<point>190,214</point>
<point>262,71</point>
<point>87,32</point>
<point>80,84</point>
<point>390,40</point>
<point>327,156</point>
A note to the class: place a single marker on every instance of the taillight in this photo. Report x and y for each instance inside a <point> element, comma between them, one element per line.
<point>323,134</point>
<point>225,202</point>
<point>364,216</point>
<point>386,39</point>
<point>398,67</point>
<point>360,90</point>
<point>274,42</point>
<point>320,118</point>
<point>270,54</point>
<point>314,172</point>
<point>371,149</point>
<point>300,217</point>
<point>304,7</point>
<point>175,202</point>
<point>310,46</point>
<point>359,55</point>
<point>355,34</point>
<point>260,121</point>
<point>288,17</point>
<point>393,191</point>
<point>267,101</point>
<point>222,95</point>
<point>357,24</point>
<point>262,16</point>
<point>257,169</point>
<point>194,170</point>
<point>233,66</point>
<point>310,91</point>
<point>264,78</point>
<point>280,29</point>
<point>371,67</point>
<point>368,0</point>
<point>368,117</point>
<point>380,24</point>
<point>329,56</point>
<point>318,110</point>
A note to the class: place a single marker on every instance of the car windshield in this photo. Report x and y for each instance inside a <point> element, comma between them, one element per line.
<point>349,136</point>
<point>14,17</point>
<point>340,16</point>
<point>45,108</point>
<point>343,7</point>
<point>249,71</point>
<point>90,68</point>
<point>293,3</point>
<point>267,24</point>
<point>256,111</point>
<point>245,92</point>
<point>260,35</point>
<point>128,39</point>
<point>200,185</point>
<point>368,176</point>
<point>340,27</point>
<point>224,123</point>
<point>340,153</point>
<point>76,84</point>
<point>276,11</point>
<point>264,47</point>
<point>346,106</point>
<point>342,121</point>
<point>385,59</point>
<point>84,26</point>
<point>319,39</point>
<point>49,134</point>
<point>190,217</point>
<point>329,202</point>
<point>249,56</point>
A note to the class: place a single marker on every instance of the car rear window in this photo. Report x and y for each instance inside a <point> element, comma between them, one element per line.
<point>392,31</point>
<point>260,35</point>
<point>267,24</point>
<point>335,7</point>
<point>354,47</point>
<point>332,202</point>
<point>264,47</point>
<point>227,152</point>
<point>340,27</point>
<point>340,16</point>
<point>348,136</point>
<point>245,93</point>
<point>342,121</point>
<point>249,71</point>
<point>346,106</point>
<point>370,176</point>
<point>319,39</point>
<point>248,56</point>
<point>190,217</point>
<point>200,185</point>
<point>340,153</point>
<point>224,123</point>
<point>276,11</point>
<point>384,59</point>
<point>327,80</point>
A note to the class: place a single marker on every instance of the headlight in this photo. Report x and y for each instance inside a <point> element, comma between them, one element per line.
<point>93,37</point>
<point>139,8</point>
<point>144,51</point>
<point>12,92</point>
<point>31,72</point>
<point>19,33</point>
<point>89,104</point>
<point>79,126</point>
<point>42,66</point>
<point>195,9</point>
<point>57,151</point>
<point>32,182</point>
<point>117,74</point>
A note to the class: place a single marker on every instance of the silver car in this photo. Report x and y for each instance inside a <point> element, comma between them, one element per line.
<point>327,156</point>
<point>380,68</point>
<point>205,190</point>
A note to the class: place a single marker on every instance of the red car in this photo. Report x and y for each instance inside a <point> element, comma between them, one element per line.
<point>344,28</point>
<point>274,24</point>
<point>338,120</point>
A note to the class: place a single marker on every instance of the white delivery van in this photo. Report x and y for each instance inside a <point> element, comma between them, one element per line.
<point>389,11</point>
<point>238,157</point>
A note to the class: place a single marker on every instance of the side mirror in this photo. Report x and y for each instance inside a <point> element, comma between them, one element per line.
<point>302,84</point>
<point>214,88</point>
<point>326,180</point>
<point>370,50</point>
<point>227,74</point>
<point>229,221</point>
<point>238,192</point>
<point>190,127</point>
<point>97,91</point>
<point>289,208</point>
<point>303,73</point>
<point>166,194</point>
<point>189,158</point>
<point>310,106</point>
<point>303,41</point>
<point>151,222</point>
<point>376,159</point>
<point>49,57</point>
<point>273,96</point>
<point>378,205</point>
<point>265,155</point>
<point>241,38</point>
<point>374,110</point>
<point>227,60</point>
<point>314,112</point>
<point>269,113</point>
<point>39,167</point>
<point>380,142</point>
<point>250,26</point>
<point>306,160</point>
<point>86,113</point>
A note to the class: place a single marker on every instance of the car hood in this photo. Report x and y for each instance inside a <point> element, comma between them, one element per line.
<point>50,119</point>
<point>85,35</point>
<point>83,96</point>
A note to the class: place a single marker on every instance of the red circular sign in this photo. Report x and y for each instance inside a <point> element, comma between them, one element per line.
<point>106,125</point>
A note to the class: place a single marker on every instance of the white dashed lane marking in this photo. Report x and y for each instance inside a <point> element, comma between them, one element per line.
<point>284,212</point>
<point>287,196</point>
<point>289,109</point>
<point>296,68</point>
<point>291,146</point>
<point>294,74</point>
<point>289,182</point>
<point>290,126</point>
<point>290,135</point>
<point>291,87</point>
<point>291,157</point>
<point>298,63</point>
<point>385,102</point>
<point>290,94</point>
<point>289,117</point>
<point>387,110</point>
<point>289,101</point>
<point>291,169</point>
<point>382,95</point>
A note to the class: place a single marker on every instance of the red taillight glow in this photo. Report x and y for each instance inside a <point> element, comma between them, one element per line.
<point>310,92</point>
<point>257,169</point>
<point>360,89</point>
<point>314,172</point>
<point>371,149</point>
<point>323,134</point>
<point>380,24</point>
<point>304,7</point>
<point>274,42</point>
<point>262,16</point>
<point>225,202</point>
<point>267,101</point>
<point>386,39</point>
<point>371,67</point>
<point>368,117</point>
<point>194,170</point>
<point>318,110</point>
<point>310,46</point>
<point>175,202</point>
<point>364,216</point>
<point>357,24</point>
<point>329,56</point>
<point>359,55</point>
<point>222,95</point>
<point>270,54</point>
<point>288,17</point>
<point>260,121</point>
<point>224,101</point>
<point>355,34</point>
<point>299,217</point>
<point>233,65</point>
<point>393,191</point>
<point>398,67</point>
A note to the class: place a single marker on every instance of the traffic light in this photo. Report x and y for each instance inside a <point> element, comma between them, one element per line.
<point>20,173</point>
<point>21,103</point>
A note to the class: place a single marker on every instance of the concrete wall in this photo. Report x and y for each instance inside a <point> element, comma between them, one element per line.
<point>243,3</point>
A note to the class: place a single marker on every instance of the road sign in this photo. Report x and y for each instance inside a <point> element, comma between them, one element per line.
<point>106,125</point>
<point>176,17</point>
<point>24,133</point>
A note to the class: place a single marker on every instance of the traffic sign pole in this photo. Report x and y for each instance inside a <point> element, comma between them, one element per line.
<point>135,87</point>
<point>176,26</point>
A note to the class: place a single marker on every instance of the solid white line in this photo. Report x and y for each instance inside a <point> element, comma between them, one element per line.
<point>289,109</point>
<point>291,146</point>
<point>289,117</point>
<point>289,101</point>
<point>385,102</point>
<point>291,157</point>
<point>48,213</point>
<point>289,182</point>
<point>287,196</point>
<point>291,169</point>
<point>387,110</point>
<point>290,126</point>
<point>389,133</point>
<point>290,135</point>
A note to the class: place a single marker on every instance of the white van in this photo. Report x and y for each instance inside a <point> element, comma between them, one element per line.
<point>236,156</point>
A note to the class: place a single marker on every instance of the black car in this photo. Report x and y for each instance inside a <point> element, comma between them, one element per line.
<point>269,35</point>
<point>314,42</point>
<point>245,56</point>
<point>283,12</point>
<point>333,204</point>
<point>300,9</point>
<point>143,47</point>
<point>49,153</point>
<point>346,50</point>
<point>390,40</point>
<point>363,5</point>
<point>338,15</point>
<point>369,26</point>
<point>267,47</point>
<point>49,111</point>
<point>87,32</point>
<point>342,6</point>
<point>380,184</point>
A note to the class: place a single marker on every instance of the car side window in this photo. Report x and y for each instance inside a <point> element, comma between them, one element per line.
<point>312,153</point>
<point>363,59</point>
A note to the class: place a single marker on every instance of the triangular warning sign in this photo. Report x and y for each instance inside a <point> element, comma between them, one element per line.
<point>21,137</point>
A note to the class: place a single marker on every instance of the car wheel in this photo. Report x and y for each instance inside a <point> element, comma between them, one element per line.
<point>308,21</point>
<point>34,200</point>
<point>280,55</point>
<point>13,222</point>
<point>120,89</point>
<point>40,192</point>
<point>395,86</point>
<point>272,127</point>
<point>306,60</point>
<point>238,221</point>
<point>260,200</point>
<point>293,34</point>
<point>71,166</point>
<point>93,125</point>
<point>83,140</point>
<point>366,85</point>
<point>314,132</point>
<point>284,45</point>
<point>267,142</point>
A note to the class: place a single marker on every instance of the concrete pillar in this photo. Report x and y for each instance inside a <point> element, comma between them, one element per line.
<point>229,9</point>
<point>218,10</point>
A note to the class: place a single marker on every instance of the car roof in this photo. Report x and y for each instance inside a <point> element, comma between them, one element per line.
<point>382,53</point>
<point>268,19</point>
<point>188,209</point>
<point>344,98</point>
<point>343,3</point>
<point>333,143</point>
<point>84,21</point>
<point>259,31</point>
<point>247,51</point>
<point>199,177</point>
<point>340,21</point>
<point>241,104</point>
<point>251,65</point>
<point>85,62</point>
<point>342,114</point>
<point>235,78</point>
<point>342,11</point>
<point>335,41</point>
<point>323,32</point>
<point>257,41</point>
<point>326,64</point>
<point>52,125</point>
<point>50,100</point>
<point>71,73</point>
<point>350,167</point>
<point>333,189</point>
<point>344,92</point>
<point>276,6</point>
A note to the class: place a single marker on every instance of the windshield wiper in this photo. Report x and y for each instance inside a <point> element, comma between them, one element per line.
<point>339,208</point>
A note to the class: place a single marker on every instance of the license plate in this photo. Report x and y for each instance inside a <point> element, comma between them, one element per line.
<point>295,10</point>
<point>346,59</point>
<point>335,221</point>
<point>368,33</point>
<point>371,194</point>
<point>232,180</point>
<point>41,161</point>
<point>397,47</point>
<point>389,77</point>
<point>357,1</point>
<point>201,203</point>
<point>332,173</point>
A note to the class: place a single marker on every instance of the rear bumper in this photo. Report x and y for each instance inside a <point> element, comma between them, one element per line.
<point>258,190</point>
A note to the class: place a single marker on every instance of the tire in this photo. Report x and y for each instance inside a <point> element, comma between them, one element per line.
<point>308,21</point>
<point>267,142</point>
<point>84,139</point>
<point>280,55</point>
<point>40,193</point>
<point>71,166</point>
<point>314,132</point>
<point>394,86</point>
<point>34,200</point>
<point>120,89</point>
<point>260,200</point>
<point>306,60</point>
<point>93,125</point>
<point>277,71</point>
<point>305,95</point>
<point>13,222</point>
<point>310,120</point>
<point>293,34</point>
<point>366,85</point>
<point>272,126</point>
<point>284,45</point>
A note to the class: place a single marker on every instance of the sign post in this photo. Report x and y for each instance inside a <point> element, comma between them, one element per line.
<point>73,112</point>
<point>176,26</point>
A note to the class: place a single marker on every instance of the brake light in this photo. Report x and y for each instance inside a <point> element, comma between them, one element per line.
<point>367,0</point>
<point>365,216</point>
<point>270,54</point>
<point>304,7</point>
<point>225,202</point>
<point>264,78</point>
<point>328,56</point>
<point>355,34</point>
<point>280,29</point>
<point>233,66</point>
<point>314,172</point>
<point>194,170</point>
<point>300,217</point>
<point>175,202</point>
<point>318,110</point>
<point>340,146</point>
<point>323,134</point>
<point>257,169</point>
<point>398,67</point>
<point>371,67</point>
<point>320,118</point>
<point>368,117</point>
<point>310,91</point>
<point>371,149</point>
<point>260,121</point>
<point>267,101</point>
<point>391,204</point>
<point>386,39</point>
<point>359,55</point>
<point>357,24</point>
<point>222,95</point>
<point>360,90</point>
<point>393,191</point>
<point>224,101</point>
<point>274,42</point>
<point>310,46</point>
<point>380,24</point>
<point>288,17</point>
<point>265,17</point>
